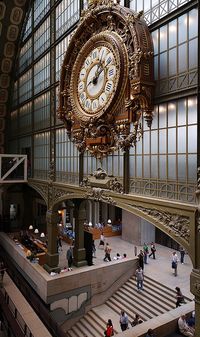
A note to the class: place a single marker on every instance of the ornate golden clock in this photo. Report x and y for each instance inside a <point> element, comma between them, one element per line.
<point>99,76</point>
<point>106,83</point>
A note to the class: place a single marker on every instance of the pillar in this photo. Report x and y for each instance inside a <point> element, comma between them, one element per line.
<point>79,250</point>
<point>52,256</point>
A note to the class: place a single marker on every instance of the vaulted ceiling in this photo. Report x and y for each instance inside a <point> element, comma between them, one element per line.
<point>12,15</point>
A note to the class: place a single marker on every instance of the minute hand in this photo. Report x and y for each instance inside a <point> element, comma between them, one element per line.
<point>102,68</point>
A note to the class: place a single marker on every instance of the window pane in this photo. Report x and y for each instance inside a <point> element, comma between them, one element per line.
<point>181,167</point>
<point>182,28</point>
<point>192,110</point>
<point>163,65</point>
<point>182,112</point>
<point>162,116</point>
<point>193,53</point>
<point>172,140</point>
<point>182,51</point>
<point>172,167</point>
<point>162,167</point>
<point>162,141</point>
<point>163,38</point>
<point>171,114</point>
<point>182,140</point>
<point>192,138</point>
<point>173,33</point>
<point>172,62</point>
<point>193,23</point>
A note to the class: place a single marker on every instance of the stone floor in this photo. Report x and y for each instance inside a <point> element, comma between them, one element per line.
<point>159,269</point>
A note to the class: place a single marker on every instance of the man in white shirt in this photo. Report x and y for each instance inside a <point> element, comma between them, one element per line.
<point>184,327</point>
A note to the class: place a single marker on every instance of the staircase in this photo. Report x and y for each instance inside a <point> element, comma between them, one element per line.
<point>154,300</point>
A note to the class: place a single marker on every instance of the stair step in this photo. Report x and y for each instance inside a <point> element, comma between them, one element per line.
<point>152,299</point>
<point>150,304</point>
<point>91,327</point>
<point>71,333</point>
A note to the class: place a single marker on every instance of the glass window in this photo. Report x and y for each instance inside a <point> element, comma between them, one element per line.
<point>42,38</point>
<point>182,64</point>
<point>147,166</point>
<point>154,141</point>
<point>155,41</point>
<point>172,167</point>
<point>40,10</point>
<point>154,166</point>
<point>193,19</point>
<point>173,33</point>
<point>172,140</point>
<point>25,55</point>
<point>162,141</point>
<point>182,28</point>
<point>42,111</point>
<point>60,53</point>
<point>182,140</point>
<point>163,38</point>
<point>172,114</point>
<point>172,62</point>
<point>181,167</point>
<point>25,86</point>
<point>193,46</point>
<point>182,112</point>
<point>162,167</point>
<point>163,65</point>
<point>146,141</point>
<point>28,28</point>
<point>162,115</point>
<point>67,14</point>
<point>42,74</point>
<point>192,138</point>
<point>192,110</point>
<point>192,168</point>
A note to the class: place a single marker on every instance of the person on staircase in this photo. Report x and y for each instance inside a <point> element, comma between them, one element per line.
<point>139,278</point>
<point>123,320</point>
<point>150,333</point>
<point>179,297</point>
<point>137,320</point>
<point>141,259</point>
<point>109,329</point>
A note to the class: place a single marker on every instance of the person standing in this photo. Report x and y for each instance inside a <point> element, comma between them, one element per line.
<point>182,253</point>
<point>69,257</point>
<point>174,263</point>
<point>153,251</point>
<point>123,320</point>
<point>145,252</point>
<point>107,252</point>
<point>102,240</point>
<point>139,278</point>
<point>141,259</point>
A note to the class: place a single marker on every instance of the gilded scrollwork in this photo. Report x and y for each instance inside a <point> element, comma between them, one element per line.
<point>42,189</point>
<point>98,194</point>
<point>177,224</point>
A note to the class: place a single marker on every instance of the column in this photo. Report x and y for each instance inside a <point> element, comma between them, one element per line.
<point>195,290</point>
<point>79,250</point>
<point>52,257</point>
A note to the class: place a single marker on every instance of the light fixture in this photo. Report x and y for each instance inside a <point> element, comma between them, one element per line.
<point>109,221</point>
<point>59,212</point>
<point>42,235</point>
<point>59,225</point>
<point>90,224</point>
<point>36,231</point>
<point>30,227</point>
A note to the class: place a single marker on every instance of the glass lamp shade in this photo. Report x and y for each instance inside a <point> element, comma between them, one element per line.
<point>42,235</point>
<point>90,224</point>
<point>109,221</point>
<point>30,227</point>
<point>36,231</point>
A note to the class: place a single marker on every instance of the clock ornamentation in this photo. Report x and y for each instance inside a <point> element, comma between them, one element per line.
<point>106,83</point>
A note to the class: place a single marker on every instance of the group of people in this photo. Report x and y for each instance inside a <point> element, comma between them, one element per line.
<point>187,327</point>
<point>175,260</point>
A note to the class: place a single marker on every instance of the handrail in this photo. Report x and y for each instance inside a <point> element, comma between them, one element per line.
<point>16,322</point>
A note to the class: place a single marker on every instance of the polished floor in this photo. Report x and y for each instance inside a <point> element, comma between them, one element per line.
<point>159,269</point>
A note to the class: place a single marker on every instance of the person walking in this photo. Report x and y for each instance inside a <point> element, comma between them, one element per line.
<point>174,263</point>
<point>182,253</point>
<point>107,252</point>
<point>153,250</point>
<point>137,320</point>
<point>139,278</point>
<point>179,297</point>
<point>109,329</point>
<point>141,259</point>
<point>69,257</point>
<point>123,320</point>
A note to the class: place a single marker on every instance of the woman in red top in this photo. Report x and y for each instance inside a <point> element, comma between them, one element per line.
<point>109,329</point>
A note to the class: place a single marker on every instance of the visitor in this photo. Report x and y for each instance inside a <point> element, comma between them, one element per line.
<point>184,328</point>
<point>174,263</point>
<point>69,256</point>
<point>123,320</point>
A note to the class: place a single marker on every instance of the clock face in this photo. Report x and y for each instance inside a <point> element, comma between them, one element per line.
<point>97,79</point>
<point>96,76</point>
